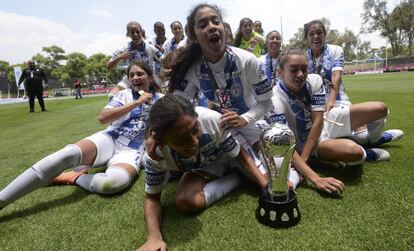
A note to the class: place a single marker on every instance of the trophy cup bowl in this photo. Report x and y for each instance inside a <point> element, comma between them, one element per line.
<point>278,206</point>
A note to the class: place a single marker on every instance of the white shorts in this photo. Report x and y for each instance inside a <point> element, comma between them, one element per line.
<point>111,152</point>
<point>341,114</point>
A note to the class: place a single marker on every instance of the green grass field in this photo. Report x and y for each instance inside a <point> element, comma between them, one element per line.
<point>375,212</point>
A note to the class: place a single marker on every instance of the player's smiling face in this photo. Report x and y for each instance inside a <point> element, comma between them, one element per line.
<point>295,72</point>
<point>273,41</point>
<point>247,30</point>
<point>184,136</point>
<point>139,79</point>
<point>135,33</point>
<point>177,30</point>
<point>210,34</point>
<point>315,37</point>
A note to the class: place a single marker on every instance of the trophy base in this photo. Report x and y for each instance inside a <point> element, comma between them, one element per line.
<point>278,211</point>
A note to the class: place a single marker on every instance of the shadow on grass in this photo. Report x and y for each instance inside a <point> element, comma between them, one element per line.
<point>351,176</point>
<point>76,196</point>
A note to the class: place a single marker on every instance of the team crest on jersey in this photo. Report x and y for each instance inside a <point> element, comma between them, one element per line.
<point>235,90</point>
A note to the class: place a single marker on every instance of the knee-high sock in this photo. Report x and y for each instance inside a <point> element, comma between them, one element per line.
<point>112,181</point>
<point>360,137</point>
<point>41,173</point>
<point>218,188</point>
<point>374,130</point>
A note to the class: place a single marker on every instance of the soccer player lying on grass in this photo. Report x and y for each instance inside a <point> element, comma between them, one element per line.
<point>327,60</point>
<point>119,146</point>
<point>190,140</point>
<point>299,101</point>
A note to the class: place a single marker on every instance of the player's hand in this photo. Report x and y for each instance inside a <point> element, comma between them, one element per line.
<point>329,105</point>
<point>144,97</point>
<point>330,185</point>
<point>231,119</point>
<point>254,41</point>
<point>159,47</point>
<point>153,244</point>
<point>125,55</point>
<point>151,146</point>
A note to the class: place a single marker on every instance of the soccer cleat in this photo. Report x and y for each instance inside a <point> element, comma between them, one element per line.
<point>377,154</point>
<point>388,136</point>
<point>67,178</point>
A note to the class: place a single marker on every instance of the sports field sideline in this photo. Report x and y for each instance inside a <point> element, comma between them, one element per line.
<point>375,212</point>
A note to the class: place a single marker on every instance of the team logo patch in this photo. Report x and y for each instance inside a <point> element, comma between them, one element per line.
<point>229,144</point>
<point>235,91</point>
<point>154,179</point>
<point>262,87</point>
<point>318,99</point>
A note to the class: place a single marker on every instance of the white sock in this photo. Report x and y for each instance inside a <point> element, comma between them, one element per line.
<point>358,162</point>
<point>295,177</point>
<point>375,129</point>
<point>41,173</point>
<point>360,137</point>
<point>220,187</point>
<point>114,180</point>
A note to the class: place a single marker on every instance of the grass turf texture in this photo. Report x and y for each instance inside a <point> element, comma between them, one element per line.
<point>375,212</point>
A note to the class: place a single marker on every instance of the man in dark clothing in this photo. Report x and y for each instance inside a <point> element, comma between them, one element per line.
<point>33,84</point>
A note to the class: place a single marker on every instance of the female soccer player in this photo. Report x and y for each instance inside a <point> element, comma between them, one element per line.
<point>270,59</point>
<point>327,60</point>
<point>299,101</point>
<point>120,146</point>
<point>178,34</point>
<point>248,39</point>
<point>232,79</point>
<point>191,141</point>
<point>136,50</point>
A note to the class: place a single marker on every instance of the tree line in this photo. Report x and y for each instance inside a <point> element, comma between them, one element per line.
<point>64,69</point>
<point>396,26</point>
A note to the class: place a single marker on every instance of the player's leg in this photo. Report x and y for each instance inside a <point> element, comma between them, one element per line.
<point>198,190</point>
<point>349,152</point>
<point>123,167</point>
<point>371,114</point>
<point>47,168</point>
<point>115,179</point>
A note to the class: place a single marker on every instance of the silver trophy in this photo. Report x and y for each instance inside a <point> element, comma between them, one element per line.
<point>278,206</point>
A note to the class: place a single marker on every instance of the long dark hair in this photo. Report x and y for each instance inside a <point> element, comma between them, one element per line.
<point>308,25</point>
<point>153,86</point>
<point>238,36</point>
<point>183,59</point>
<point>166,111</point>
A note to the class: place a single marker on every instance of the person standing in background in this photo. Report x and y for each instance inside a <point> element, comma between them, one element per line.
<point>78,93</point>
<point>33,78</point>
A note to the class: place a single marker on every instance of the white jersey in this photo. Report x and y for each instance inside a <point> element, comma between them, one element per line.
<point>145,52</point>
<point>332,59</point>
<point>296,111</point>
<point>129,130</point>
<point>182,43</point>
<point>159,55</point>
<point>238,83</point>
<point>270,65</point>
<point>214,145</point>
<point>170,45</point>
